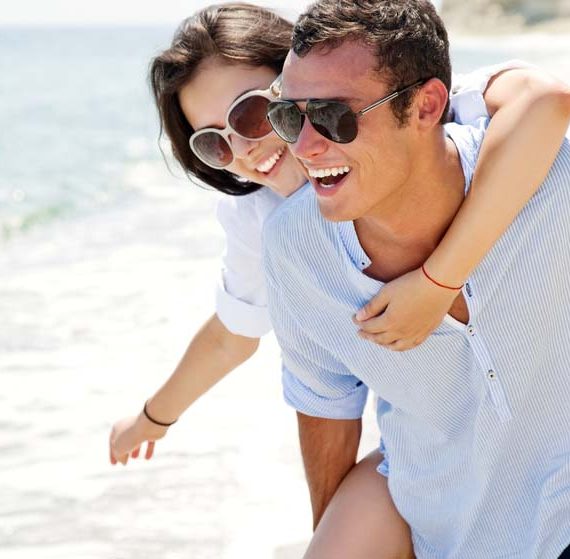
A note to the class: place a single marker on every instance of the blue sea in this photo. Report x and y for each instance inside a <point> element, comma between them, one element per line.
<point>77,114</point>
<point>108,263</point>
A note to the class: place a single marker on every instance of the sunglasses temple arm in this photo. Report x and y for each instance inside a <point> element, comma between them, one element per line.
<point>389,98</point>
<point>275,87</point>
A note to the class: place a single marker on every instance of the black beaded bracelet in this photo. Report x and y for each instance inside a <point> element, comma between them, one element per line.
<point>154,420</point>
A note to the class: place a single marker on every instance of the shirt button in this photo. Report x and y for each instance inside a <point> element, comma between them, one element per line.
<point>471,330</point>
<point>491,375</point>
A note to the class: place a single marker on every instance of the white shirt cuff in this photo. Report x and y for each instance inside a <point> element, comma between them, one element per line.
<point>479,79</point>
<point>467,101</point>
<point>241,318</point>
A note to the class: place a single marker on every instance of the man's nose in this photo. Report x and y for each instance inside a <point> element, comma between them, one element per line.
<point>309,144</point>
<point>242,147</point>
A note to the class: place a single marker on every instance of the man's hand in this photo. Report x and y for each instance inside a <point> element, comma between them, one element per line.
<point>405,312</point>
<point>329,448</point>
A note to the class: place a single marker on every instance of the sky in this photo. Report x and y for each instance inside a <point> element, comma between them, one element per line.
<point>45,12</point>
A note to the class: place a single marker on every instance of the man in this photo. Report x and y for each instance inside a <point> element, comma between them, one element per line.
<point>475,422</point>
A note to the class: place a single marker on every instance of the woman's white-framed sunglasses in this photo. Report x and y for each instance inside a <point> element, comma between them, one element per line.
<point>246,117</point>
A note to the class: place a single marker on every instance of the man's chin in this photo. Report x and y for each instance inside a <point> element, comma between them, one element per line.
<point>334,200</point>
<point>333,212</point>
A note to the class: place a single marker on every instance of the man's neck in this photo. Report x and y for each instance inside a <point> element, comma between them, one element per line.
<point>410,225</point>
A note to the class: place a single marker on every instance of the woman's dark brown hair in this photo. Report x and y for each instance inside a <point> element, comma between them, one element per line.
<point>234,33</point>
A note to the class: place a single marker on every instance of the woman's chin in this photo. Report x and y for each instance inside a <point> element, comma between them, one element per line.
<point>286,177</point>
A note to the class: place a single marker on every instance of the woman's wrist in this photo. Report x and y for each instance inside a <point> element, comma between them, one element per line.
<point>438,283</point>
<point>446,271</point>
<point>155,418</point>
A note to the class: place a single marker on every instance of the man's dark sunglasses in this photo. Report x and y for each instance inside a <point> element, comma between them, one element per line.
<point>332,119</point>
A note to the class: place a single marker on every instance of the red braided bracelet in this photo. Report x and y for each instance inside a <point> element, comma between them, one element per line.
<point>440,284</point>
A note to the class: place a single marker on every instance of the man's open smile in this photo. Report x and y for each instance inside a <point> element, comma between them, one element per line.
<point>327,180</point>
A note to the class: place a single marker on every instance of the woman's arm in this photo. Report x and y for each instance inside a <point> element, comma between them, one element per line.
<point>530,116</point>
<point>213,352</point>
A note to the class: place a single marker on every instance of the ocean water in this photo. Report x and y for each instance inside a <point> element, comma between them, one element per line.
<point>108,264</point>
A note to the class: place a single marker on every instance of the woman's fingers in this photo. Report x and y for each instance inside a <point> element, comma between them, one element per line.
<point>390,341</point>
<point>112,458</point>
<point>116,454</point>
<point>374,307</point>
<point>375,325</point>
<point>383,339</point>
<point>122,459</point>
<point>149,450</point>
<point>403,345</point>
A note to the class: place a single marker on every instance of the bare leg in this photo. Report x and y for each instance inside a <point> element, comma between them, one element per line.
<point>361,521</point>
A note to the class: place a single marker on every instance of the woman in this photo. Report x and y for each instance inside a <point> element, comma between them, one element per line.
<point>211,88</point>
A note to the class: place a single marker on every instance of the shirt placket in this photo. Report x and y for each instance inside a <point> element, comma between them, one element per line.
<point>491,375</point>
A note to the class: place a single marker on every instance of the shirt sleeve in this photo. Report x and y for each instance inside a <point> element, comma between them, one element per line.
<point>326,394</point>
<point>467,103</point>
<point>241,298</point>
<point>315,382</point>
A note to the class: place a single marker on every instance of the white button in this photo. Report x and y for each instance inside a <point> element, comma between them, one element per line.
<point>491,375</point>
<point>471,330</point>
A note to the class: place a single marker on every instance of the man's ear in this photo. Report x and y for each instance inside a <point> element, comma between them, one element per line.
<point>430,103</point>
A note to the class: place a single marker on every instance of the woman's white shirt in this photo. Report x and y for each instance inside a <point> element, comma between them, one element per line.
<point>241,298</point>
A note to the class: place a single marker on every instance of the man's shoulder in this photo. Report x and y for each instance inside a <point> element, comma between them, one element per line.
<point>555,189</point>
<point>560,170</point>
<point>468,139</point>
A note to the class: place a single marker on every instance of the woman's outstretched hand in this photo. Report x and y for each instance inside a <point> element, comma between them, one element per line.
<point>405,312</point>
<point>129,434</point>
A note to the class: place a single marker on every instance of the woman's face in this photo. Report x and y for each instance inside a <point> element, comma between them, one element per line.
<point>205,101</point>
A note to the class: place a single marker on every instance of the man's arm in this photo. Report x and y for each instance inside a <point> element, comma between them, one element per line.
<point>327,396</point>
<point>329,448</point>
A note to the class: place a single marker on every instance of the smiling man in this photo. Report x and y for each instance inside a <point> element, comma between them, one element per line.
<point>475,422</point>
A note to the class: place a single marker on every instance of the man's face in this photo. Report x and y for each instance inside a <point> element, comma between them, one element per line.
<point>378,158</point>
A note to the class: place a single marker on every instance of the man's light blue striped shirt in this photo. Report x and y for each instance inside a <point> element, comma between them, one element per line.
<point>475,422</point>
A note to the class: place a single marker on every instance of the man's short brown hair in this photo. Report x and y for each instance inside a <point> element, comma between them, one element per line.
<point>407,37</point>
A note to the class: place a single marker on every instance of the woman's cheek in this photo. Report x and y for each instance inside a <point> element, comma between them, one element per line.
<point>239,169</point>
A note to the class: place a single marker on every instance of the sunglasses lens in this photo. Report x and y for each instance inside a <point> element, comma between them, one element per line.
<point>335,121</point>
<point>248,118</point>
<point>213,149</point>
<point>286,119</point>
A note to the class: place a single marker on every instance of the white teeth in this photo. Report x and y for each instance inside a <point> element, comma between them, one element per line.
<point>269,163</point>
<point>334,171</point>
